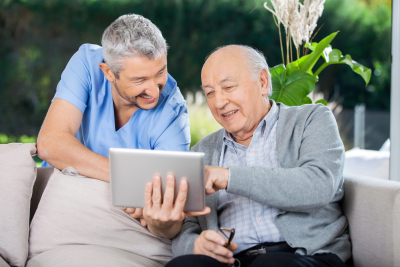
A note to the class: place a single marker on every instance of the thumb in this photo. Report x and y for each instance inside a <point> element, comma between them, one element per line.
<point>143,222</point>
<point>188,214</point>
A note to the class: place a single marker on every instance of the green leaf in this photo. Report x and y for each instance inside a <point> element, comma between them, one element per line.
<point>321,101</point>
<point>308,63</point>
<point>326,51</point>
<point>306,100</point>
<point>291,86</point>
<point>335,57</point>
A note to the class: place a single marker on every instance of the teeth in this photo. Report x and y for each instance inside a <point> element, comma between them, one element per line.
<point>148,97</point>
<point>225,115</point>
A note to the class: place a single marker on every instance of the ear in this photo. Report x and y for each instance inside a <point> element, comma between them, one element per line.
<point>264,81</point>
<point>107,72</point>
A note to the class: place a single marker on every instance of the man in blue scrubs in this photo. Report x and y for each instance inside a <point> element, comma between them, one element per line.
<point>118,95</point>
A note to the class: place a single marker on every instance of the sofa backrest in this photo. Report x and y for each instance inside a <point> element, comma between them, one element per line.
<point>372,207</point>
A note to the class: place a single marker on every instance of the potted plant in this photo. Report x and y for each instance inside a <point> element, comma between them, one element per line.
<point>295,80</point>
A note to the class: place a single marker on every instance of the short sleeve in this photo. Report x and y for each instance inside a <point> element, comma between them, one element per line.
<point>74,85</point>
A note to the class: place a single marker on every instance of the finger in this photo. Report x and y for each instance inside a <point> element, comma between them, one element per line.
<point>223,254</point>
<point>209,182</point>
<point>213,236</point>
<point>181,197</point>
<point>143,222</point>
<point>147,196</point>
<point>130,210</point>
<point>138,214</point>
<point>123,208</point>
<point>188,214</point>
<point>209,248</point>
<point>233,246</point>
<point>168,199</point>
<point>156,198</point>
<point>210,191</point>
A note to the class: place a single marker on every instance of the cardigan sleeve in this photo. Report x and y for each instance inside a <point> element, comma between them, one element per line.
<point>312,181</point>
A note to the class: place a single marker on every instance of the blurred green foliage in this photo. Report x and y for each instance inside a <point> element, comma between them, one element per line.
<point>202,123</point>
<point>38,37</point>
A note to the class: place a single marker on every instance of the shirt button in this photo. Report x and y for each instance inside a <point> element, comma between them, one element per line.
<point>251,151</point>
<point>258,220</point>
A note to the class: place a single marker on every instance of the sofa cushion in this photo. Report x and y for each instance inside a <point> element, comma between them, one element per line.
<point>76,210</point>
<point>372,207</point>
<point>89,256</point>
<point>17,175</point>
<point>3,263</point>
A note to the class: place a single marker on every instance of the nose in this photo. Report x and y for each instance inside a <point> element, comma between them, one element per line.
<point>153,88</point>
<point>220,99</point>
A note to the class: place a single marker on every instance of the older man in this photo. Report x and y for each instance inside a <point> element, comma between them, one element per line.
<point>275,175</point>
<point>118,95</point>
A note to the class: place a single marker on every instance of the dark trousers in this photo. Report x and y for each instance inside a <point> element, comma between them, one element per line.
<point>276,256</point>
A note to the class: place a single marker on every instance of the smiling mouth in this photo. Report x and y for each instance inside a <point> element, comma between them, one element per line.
<point>229,113</point>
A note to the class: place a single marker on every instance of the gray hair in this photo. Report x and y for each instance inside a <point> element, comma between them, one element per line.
<point>256,61</point>
<point>128,36</point>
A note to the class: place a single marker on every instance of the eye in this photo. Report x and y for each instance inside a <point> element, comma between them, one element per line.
<point>161,73</point>
<point>139,82</point>
<point>210,93</point>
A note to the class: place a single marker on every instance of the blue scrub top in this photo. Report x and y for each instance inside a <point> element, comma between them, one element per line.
<point>83,84</point>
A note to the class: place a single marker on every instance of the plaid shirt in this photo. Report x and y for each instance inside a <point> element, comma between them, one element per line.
<point>254,222</point>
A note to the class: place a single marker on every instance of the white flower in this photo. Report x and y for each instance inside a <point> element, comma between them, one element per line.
<point>300,20</point>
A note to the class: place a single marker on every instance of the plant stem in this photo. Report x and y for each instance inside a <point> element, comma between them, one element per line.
<point>298,51</point>
<point>291,50</point>
<point>320,69</point>
<point>314,36</point>
<point>280,39</point>
<point>287,47</point>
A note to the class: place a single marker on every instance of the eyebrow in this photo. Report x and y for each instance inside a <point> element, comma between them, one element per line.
<point>227,79</point>
<point>144,77</point>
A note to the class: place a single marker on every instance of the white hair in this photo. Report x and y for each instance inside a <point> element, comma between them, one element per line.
<point>255,59</point>
<point>129,36</point>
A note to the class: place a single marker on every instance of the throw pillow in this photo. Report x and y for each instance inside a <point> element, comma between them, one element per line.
<point>76,210</point>
<point>17,175</point>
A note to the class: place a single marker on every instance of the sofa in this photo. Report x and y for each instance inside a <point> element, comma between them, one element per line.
<point>371,205</point>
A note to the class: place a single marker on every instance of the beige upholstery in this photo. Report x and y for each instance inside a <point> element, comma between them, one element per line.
<point>372,207</point>
<point>43,175</point>
<point>3,263</point>
<point>90,256</point>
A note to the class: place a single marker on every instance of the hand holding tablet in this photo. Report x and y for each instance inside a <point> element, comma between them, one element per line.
<point>163,211</point>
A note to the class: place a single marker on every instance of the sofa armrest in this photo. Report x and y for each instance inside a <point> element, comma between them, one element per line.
<point>372,207</point>
<point>43,175</point>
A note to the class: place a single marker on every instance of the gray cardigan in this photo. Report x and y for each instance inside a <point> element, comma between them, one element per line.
<point>306,187</point>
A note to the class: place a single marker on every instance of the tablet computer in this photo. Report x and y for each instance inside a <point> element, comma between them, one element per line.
<point>132,169</point>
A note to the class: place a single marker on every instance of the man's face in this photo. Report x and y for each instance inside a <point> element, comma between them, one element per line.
<point>142,80</point>
<point>235,99</point>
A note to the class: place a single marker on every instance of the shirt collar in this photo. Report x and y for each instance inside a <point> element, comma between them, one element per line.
<point>265,125</point>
